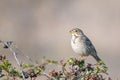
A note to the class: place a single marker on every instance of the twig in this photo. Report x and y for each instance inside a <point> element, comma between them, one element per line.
<point>16,47</point>
<point>15,56</point>
<point>49,77</point>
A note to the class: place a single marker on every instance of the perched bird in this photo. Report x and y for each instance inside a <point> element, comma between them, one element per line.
<point>82,45</point>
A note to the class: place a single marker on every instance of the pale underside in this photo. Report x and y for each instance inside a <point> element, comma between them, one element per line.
<point>83,46</point>
<point>78,47</point>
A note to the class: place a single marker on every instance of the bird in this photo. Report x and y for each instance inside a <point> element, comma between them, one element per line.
<point>82,45</point>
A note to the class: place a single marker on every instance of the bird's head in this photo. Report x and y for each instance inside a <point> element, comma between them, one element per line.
<point>76,32</point>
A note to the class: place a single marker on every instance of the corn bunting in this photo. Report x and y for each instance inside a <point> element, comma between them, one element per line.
<point>82,45</point>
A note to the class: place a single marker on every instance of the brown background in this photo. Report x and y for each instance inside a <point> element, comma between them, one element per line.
<point>40,28</point>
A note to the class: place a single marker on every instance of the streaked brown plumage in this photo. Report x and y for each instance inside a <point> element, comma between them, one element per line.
<point>82,45</point>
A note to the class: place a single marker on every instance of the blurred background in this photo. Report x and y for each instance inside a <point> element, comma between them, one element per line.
<point>40,28</point>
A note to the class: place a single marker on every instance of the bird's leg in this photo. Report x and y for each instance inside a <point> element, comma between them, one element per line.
<point>81,57</point>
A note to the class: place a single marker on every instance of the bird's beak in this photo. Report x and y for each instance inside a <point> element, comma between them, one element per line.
<point>70,31</point>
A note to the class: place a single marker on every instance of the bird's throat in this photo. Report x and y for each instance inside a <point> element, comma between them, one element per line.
<point>74,37</point>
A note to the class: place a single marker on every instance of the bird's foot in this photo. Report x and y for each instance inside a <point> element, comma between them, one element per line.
<point>80,58</point>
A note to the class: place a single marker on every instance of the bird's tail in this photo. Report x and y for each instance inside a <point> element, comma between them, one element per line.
<point>97,58</point>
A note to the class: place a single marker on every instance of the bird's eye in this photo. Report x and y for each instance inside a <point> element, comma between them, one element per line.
<point>75,30</point>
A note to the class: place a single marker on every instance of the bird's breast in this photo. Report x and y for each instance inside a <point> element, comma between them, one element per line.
<point>78,46</point>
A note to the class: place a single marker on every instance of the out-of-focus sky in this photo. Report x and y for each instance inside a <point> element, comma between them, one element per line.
<point>40,27</point>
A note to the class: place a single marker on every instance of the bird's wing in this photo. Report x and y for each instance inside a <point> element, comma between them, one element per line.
<point>89,46</point>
